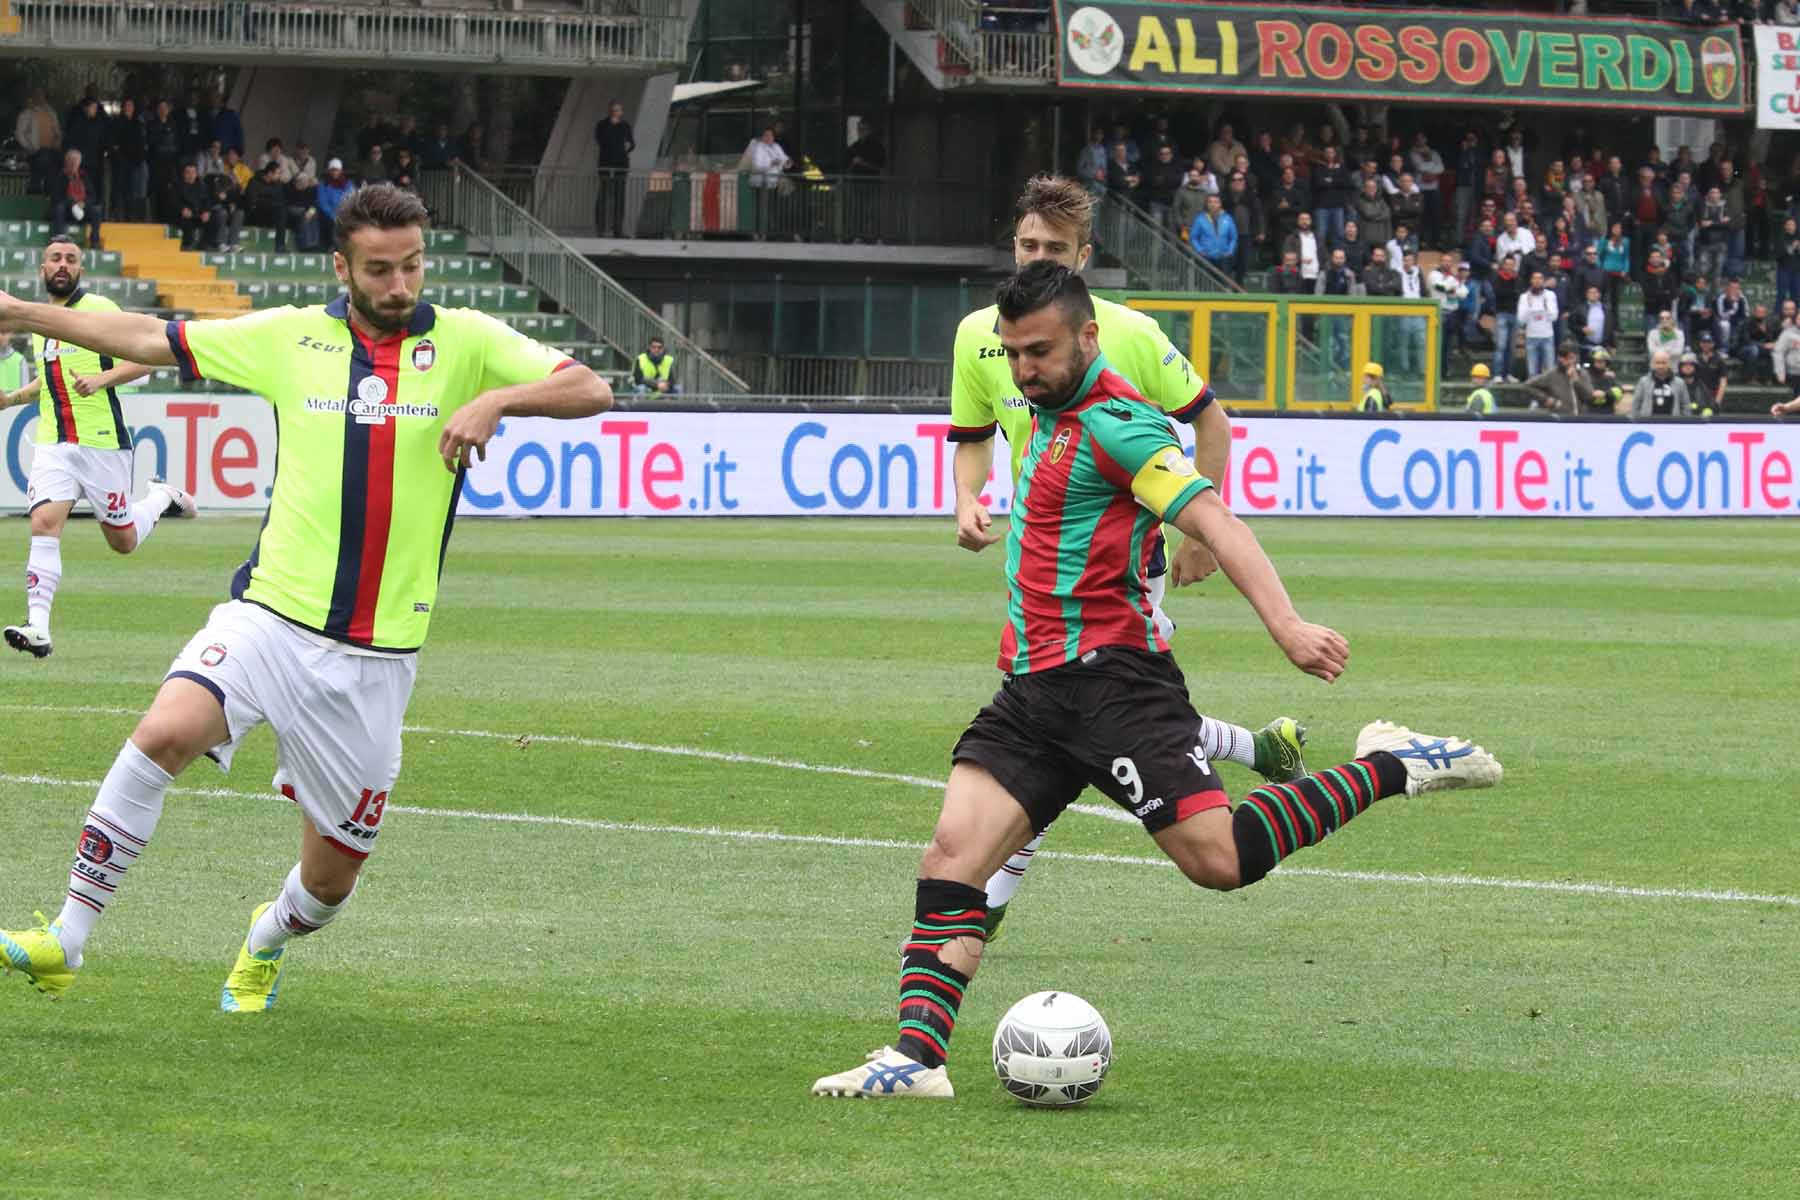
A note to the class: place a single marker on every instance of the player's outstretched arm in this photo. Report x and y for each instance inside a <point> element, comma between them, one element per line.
<point>567,394</point>
<point>1315,649</point>
<point>137,337</point>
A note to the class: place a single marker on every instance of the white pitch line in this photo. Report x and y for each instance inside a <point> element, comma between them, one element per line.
<point>1729,896</point>
<point>592,743</point>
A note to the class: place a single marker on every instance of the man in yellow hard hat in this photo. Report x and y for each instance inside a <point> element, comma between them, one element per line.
<point>1374,392</point>
<point>1481,400</point>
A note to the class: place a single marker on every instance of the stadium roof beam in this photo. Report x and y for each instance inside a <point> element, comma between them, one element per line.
<point>615,34</point>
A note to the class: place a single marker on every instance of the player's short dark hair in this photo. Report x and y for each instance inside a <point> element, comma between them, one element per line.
<point>1041,284</point>
<point>61,239</point>
<point>377,206</point>
<point>1061,201</point>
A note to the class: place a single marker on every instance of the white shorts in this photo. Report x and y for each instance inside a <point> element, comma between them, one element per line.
<point>62,471</point>
<point>336,714</point>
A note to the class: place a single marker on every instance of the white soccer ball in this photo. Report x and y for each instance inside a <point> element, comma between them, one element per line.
<point>1052,1050</point>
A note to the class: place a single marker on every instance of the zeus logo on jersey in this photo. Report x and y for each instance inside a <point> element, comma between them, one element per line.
<point>991,352</point>
<point>306,343</point>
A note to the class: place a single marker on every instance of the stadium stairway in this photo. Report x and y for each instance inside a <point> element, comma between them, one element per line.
<point>184,281</point>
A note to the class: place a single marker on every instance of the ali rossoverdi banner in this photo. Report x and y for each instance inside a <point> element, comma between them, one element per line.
<point>1400,55</point>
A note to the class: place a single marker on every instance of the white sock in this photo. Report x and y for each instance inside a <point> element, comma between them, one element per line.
<point>148,511</point>
<point>43,571</point>
<point>118,828</point>
<point>295,913</point>
<point>1221,740</point>
<point>1001,888</point>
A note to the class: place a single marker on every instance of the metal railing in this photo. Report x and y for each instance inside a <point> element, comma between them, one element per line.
<point>821,208</point>
<point>462,198</point>
<point>1016,57</point>
<point>1154,259</point>
<point>983,54</point>
<point>852,378</point>
<point>611,33</point>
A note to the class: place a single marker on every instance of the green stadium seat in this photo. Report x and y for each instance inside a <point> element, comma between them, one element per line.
<point>258,291</point>
<point>531,325</point>
<point>559,326</point>
<point>484,270</point>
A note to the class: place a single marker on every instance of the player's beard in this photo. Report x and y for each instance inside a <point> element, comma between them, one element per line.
<point>62,284</point>
<point>385,321</point>
<point>1057,390</point>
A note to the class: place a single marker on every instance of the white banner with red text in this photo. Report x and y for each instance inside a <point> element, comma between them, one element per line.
<point>222,449</point>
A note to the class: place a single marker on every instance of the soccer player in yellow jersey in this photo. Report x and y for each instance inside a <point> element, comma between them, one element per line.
<point>379,401</point>
<point>1056,223</point>
<point>83,449</point>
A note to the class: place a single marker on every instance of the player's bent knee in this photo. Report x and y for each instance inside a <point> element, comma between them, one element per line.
<point>1217,873</point>
<point>1206,859</point>
<point>122,539</point>
<point>184,722</point>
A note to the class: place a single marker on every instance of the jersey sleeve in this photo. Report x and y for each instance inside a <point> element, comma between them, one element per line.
<point>972,414</point>
<point>1144,456</point>
<point>1162,373</point>
<point>246,351</point>
<point>509,357</point>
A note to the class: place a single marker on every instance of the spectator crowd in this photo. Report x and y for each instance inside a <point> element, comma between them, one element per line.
<point>188,165</point>
<point>1530,241</point>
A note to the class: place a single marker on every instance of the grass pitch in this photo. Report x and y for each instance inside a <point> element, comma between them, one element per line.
<point>618,992</point>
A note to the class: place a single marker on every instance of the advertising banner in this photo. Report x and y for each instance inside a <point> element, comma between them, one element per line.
<point>1423,55</point>
<point>647,464</point>
<point>1777,77</point>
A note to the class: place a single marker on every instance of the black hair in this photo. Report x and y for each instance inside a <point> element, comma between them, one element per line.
<point>1043,283</point>
<point>61,239</point>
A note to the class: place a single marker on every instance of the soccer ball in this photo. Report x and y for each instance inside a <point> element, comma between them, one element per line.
<point>1052,1050</point>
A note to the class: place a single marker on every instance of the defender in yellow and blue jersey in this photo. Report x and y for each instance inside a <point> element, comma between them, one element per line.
<point>379,402</point>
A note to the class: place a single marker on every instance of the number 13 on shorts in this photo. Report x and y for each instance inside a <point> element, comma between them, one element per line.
<point>368,809</point>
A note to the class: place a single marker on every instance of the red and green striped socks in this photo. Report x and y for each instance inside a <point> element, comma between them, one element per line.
<point>1277,819</point>
<point>930,991</point>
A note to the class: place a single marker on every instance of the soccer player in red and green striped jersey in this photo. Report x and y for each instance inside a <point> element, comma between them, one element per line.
<point>1091,695</point>
<point>83,450</point>
<point>379,399</point>
<point>1056,224</point>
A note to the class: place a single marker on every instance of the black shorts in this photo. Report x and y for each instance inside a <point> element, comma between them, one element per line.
<point>1118,719</point>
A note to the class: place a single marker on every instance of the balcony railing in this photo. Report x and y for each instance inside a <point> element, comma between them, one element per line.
<point>693,204</point>
<point>973,47</point>
<point>610,33</point>
<point>543,260</point>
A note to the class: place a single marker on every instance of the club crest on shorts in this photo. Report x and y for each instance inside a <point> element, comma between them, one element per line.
<point>1060,444</point>
<point>424,354</point>
<point>213,655</point>
<point>94,845</point>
